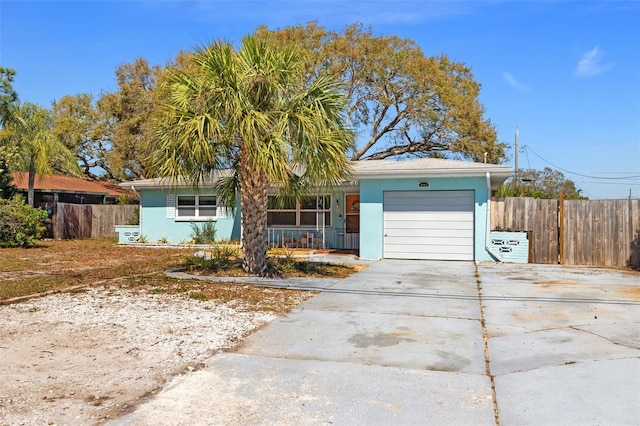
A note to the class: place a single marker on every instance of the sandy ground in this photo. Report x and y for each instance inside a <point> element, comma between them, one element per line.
<point>90,356</point>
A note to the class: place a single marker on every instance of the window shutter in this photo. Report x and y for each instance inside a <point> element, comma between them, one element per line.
<point>221,212</point>
<point>170,212</point>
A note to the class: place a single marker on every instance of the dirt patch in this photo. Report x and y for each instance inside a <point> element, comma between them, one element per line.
<point>84,358</point>
<point>89,355</point>
<point>633,292</point>
<point>540,315</point>
<point>556,282</point>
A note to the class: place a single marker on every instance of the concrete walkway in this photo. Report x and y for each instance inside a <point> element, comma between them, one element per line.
<point>417,342</point>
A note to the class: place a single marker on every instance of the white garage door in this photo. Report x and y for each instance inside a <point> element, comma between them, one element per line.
<point>436,225</point>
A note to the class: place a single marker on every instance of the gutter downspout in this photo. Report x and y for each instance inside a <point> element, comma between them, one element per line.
<point>133,188</point>
<point>488,230</point>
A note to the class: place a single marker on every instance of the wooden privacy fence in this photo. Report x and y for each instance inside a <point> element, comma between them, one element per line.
<point>70,221</point>
<point>538,217</point>
<point>578,232</point>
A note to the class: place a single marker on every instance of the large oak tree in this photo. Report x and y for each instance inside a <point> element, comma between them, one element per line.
<point>8,100</point>
<point>8,95</point>
<point>130,110</point>
<point>401,102</point>
<point>86,131</point>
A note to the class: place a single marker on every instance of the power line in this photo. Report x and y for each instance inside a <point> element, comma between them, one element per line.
<point>631,183</point>
<point>610,173</point>
<point>590,195</point>
<point>580,174</point>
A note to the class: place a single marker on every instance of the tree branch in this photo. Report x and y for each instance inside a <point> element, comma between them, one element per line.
<point>423,146</point>
<point>376,137</point>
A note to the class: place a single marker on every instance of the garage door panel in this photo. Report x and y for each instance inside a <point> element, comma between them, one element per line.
<point>410,205</point>
<point>390,226</point>
<point>408,234</point>
<point>436,225</point>
<point>438,242</point>
<point>436,216</point>
<point>429,256</point>
<point>412,253</point>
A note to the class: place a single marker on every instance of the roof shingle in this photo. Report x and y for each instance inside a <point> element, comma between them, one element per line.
<point>57,183</point>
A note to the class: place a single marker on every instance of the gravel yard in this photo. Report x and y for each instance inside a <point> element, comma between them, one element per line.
<point>88,356</point>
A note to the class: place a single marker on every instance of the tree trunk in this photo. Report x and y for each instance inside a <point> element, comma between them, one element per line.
<point>253,206</point>
<point>31,184</point>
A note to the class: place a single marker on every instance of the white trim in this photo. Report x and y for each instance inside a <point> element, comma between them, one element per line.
<point>487,231</point>
<point>170,209</point>
<point>197,219</point>
<point>196,207</point>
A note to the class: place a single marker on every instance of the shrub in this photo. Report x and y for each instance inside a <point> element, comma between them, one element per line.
<point>20,224</point>
<point>7,189</point>
<point>135,218</point>
<point>204,234</point>
<point>223,255</point>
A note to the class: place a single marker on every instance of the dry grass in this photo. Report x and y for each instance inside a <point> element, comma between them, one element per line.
<point>56,265</point>
<point>225,260</point>
<point>60,265</point>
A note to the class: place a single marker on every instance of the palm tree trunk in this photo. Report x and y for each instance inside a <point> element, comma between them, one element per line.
<point>31,183</point>
<point>253,202</point>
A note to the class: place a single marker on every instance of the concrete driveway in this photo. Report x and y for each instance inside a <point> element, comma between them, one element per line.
<point>425,342</point>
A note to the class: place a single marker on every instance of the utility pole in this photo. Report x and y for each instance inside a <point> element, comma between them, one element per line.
<point>516,172</point>
<point>516,181</point>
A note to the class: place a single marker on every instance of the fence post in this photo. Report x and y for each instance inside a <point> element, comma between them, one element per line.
<point>561,229</point>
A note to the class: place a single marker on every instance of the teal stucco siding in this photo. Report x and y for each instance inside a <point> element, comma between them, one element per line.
<point>156,224</point>
<point>372,215</point>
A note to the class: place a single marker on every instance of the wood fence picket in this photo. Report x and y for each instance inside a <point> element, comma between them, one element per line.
<point>595,232</point>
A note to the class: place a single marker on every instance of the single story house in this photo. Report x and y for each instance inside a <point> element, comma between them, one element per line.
<point>416,209</point>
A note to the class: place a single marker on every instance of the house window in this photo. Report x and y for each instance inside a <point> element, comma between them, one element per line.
<point>196,206</point>
<point>308,212</point>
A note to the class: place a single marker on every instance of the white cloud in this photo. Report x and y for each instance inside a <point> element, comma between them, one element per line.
<point>515,83</point>
<point>591,63</point>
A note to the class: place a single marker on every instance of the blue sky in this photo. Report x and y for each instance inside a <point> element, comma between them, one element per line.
<point>567,73</point>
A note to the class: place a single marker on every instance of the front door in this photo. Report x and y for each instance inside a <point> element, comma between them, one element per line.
<point>352,221</point>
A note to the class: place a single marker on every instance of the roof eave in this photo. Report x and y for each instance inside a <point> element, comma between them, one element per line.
<point>476,172</point>
<point>161,184</point>
<point>498,175</point>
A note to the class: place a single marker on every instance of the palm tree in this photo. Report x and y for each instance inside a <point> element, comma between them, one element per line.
<point>29,132</point>
<point>252,110</point>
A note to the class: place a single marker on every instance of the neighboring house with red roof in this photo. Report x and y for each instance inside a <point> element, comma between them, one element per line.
<point>67,189</point>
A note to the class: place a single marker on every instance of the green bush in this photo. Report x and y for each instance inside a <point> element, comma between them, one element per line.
<point>7,189</point>
<point>204,234</point>
<point>20,224</point>
<point>223,255</point>
<point>135,218</point>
